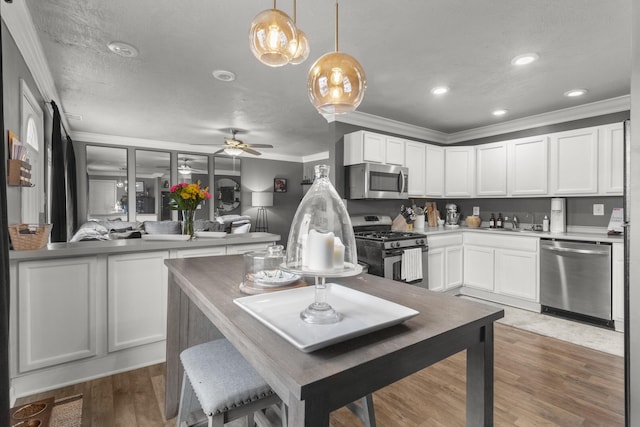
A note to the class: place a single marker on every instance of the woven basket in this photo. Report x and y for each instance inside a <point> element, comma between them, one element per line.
<point>35,237</point>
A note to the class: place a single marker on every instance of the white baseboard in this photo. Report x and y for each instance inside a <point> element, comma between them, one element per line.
<point>46,379</point>
<point>12,397</point>
<point>500,299</point>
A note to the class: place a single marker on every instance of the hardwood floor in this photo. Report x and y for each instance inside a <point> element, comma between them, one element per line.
<point>539,381</point>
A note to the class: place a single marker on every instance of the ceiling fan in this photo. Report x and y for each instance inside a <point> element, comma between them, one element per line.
<point>234,147</point>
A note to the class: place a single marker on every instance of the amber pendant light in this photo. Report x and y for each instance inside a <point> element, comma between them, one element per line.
<point>300,46</point>
<point>336,81</point>
<point>271,34</point>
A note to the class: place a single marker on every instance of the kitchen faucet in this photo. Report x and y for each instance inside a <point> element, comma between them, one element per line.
<point>514,222</point>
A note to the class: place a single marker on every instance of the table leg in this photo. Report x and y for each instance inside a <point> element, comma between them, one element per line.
<point>480,380</point>
<point>309,413</point>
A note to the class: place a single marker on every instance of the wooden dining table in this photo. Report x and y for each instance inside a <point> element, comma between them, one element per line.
<point>201,308</point>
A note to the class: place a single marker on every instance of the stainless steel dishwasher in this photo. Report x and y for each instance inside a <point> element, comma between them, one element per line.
<point>575,280</point>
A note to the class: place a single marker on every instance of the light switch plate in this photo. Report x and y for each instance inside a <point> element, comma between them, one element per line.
<point>476,210</point>
<point>598,209</point>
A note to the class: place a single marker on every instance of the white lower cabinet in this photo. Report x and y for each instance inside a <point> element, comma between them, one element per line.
<point>478,267</point>
<point>57,311</point>
<point>243,249</point>
<point>516,274</point>
<point>445,261</point>
<point>617,279</point>
<point>137,299</point>
<point>191,253</point>
<point>504,265</point>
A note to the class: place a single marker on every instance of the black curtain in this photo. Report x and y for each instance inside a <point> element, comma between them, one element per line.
<point>58,188</point>
<point>4,269</point>
<point>72,194</point>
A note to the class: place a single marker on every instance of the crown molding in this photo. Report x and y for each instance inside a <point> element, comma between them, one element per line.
<point>324,155</point>
<point>593,109</point>
<point>358,118</point>
<point>99,138</point>
<point>18,20</point>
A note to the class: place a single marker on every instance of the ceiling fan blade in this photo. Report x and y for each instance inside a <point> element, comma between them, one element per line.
<point>260,145</point>
<point>250,151</point>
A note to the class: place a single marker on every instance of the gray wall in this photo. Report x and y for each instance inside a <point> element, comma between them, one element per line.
<point>258,175</point>
<point>14,69</point>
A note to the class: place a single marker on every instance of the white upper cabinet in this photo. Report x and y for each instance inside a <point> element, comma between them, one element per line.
<point>395,152</point>
<point>611,159</point>
<point>528,160</point>
<point>491,169</point>
<point>574,162</point>
<point>415,160</point>
<point>434,186</point>
<point>459,171</point>
<point>370,147</point>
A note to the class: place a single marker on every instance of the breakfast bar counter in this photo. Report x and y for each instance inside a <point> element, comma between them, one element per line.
<point>201,308</point>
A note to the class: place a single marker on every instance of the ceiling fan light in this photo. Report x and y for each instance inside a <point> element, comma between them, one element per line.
<point>336,83</point>
<point>300,47</point>
<point>270,36</point>
<point>232,151</point>
<point>184,170</point>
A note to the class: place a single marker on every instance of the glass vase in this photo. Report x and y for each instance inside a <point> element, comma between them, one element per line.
<point>322,244</point>
<point>188,216</point>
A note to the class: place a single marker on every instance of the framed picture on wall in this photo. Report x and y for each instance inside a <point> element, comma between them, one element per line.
<point>280,185</point>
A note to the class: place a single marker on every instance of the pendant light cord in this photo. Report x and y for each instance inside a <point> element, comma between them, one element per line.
<point>294,13</point>
<point>336,25</point>
<point>274,4</point>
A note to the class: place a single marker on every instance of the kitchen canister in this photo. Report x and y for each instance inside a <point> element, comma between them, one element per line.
<point>263,273</point>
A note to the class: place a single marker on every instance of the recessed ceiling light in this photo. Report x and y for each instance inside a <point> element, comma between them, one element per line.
<point>524,59</point>
<point>499,113</point>
<point>123,49</point>
<point>575,92</point>
<point>440,90</point>
<point>224,75</point>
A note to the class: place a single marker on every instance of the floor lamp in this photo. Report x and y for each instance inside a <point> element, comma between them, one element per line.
<point>261,200</point>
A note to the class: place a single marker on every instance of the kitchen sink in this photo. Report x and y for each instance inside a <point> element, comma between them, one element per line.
<point>511,230</point>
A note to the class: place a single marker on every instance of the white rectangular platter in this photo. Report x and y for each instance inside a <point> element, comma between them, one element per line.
<point>361,313</point>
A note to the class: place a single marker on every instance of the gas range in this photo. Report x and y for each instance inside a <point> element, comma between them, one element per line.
<point>393,239</point>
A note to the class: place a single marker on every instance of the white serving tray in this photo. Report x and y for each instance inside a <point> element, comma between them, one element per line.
<point>182,237</point>
<point>362,313</point>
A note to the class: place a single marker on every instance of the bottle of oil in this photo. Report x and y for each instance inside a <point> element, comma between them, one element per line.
<point>492,221</point>
<point>499,221</point>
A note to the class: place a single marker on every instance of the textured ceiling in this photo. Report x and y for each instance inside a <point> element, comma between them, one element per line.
<point>168,93</point>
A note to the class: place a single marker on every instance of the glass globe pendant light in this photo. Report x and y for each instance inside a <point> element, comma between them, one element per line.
<point>336,81</point>
<point>300,45</point>
<point>270,37</point>
<point>322,244</point>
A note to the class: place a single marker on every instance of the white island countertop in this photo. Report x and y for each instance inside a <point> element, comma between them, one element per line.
<point>87,248</point>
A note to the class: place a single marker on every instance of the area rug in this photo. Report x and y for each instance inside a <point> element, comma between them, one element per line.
<point>67,412</point>
<point>594,337</point>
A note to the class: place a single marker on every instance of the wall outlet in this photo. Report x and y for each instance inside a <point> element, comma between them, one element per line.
<point>598,209</point>
<point>476,210</point>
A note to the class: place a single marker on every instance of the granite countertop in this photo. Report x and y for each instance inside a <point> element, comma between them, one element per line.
<point>591,234</point>
<point>86,248</point>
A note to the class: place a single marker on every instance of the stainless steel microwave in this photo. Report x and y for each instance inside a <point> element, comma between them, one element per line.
<point>374,181</point>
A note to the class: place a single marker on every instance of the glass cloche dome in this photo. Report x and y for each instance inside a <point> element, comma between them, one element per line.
<point>321,243</point>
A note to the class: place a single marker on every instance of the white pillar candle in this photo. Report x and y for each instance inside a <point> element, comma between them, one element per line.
<point>320,250</point>
<point>338,253</point>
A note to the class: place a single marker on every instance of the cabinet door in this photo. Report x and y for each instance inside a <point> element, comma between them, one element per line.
<point>478,267</point>
<point>415,160</point>
<point>436,269</point>
<point>528,166</point>
<point>491,169</point>
<point>612,159</point>
<point>434,185</point>
<point>395,152</point>
<point>574,162</point>
<point>517,274</point>
<point>617,278</point>
<point>453,267</point>
<point>373,148</point>
<point>459,171</point>
<point>137,295</point>
<point>57,311</point>
<point>211,251</point>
